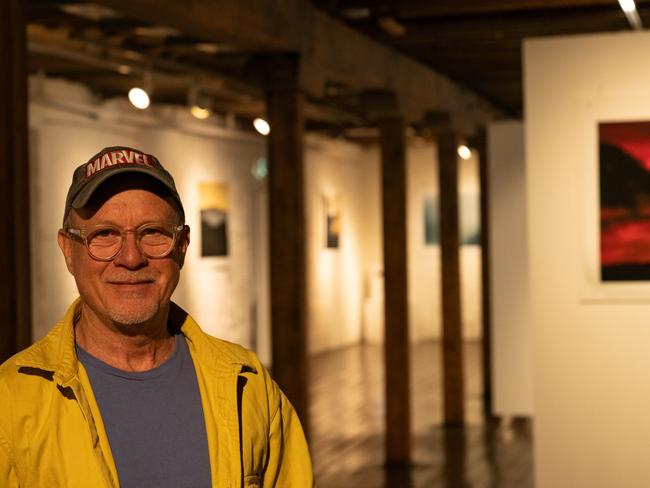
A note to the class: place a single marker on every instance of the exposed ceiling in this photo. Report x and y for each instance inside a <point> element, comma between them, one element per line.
<point>476,43</point>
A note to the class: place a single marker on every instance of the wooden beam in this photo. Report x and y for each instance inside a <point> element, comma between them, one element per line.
<point>287,231</point>
<point>451,8</point>
<point>15,283</point>
<point>330,51</point>
<point>479,143</point>
<point>453,379</point>
<point>396,342</point>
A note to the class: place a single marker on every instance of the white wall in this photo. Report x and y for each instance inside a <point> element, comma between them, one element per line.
<point>591,341</point>
<point>337,277</point>
<point>228,296</point>
<point>511,329</point>
<point>424,260</point>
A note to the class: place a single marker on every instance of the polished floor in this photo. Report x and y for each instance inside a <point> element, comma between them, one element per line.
<point>347,427</point>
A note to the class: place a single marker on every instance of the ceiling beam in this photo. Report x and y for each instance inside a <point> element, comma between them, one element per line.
<point>448,8</point>
<point>330,51</point>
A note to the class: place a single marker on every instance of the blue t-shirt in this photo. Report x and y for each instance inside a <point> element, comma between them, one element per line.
<point>154,421</point>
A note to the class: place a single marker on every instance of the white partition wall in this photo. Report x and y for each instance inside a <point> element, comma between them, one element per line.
<point>591,339</point>
<point>511,329</point>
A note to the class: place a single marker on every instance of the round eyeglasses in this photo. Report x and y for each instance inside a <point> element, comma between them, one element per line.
<point>104,242</point>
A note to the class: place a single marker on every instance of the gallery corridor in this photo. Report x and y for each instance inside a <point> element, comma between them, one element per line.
<point>347,427</point>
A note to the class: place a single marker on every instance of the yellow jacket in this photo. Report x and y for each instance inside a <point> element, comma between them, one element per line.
<point>52,435</point>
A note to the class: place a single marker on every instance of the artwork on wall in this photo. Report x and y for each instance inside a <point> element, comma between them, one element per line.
<point>213,201</point>
<point>431,220</point>
<point>624,170</point>
<point>470,219</point>
<point>332,220</point>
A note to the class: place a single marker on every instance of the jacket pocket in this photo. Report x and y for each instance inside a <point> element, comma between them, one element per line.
<point>252,481</point>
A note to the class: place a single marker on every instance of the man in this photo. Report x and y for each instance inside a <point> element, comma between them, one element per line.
<point>126,390</point>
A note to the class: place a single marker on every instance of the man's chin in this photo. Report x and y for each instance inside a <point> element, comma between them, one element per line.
<point>134,317</point>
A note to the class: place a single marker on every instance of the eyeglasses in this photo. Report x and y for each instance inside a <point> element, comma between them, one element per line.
<point>104,242</point>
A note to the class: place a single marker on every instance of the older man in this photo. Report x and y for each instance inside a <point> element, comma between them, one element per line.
<point>126,390</point>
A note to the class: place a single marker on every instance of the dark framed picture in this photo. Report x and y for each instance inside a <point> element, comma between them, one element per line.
<point>624,197</point>
<point>213,199</point>
<point>332,220</point>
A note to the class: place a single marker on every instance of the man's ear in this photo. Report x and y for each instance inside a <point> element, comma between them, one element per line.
<point>65,244</point>
<point>183,244</point>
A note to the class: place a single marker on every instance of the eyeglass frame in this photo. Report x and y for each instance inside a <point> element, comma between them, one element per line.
<point>82,235</point>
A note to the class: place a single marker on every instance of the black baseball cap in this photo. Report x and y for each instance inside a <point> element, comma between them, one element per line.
<point>112,161</point>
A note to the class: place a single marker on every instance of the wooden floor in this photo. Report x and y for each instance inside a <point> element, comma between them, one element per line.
<point>347,427</point>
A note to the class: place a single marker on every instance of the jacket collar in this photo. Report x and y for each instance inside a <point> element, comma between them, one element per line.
<point>56,353</point>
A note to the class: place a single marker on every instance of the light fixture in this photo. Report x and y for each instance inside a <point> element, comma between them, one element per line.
<point>629,8</point>
<point>262,126</point>
<point>139,97</point>
<point>464,152</point>
<point>200,112</point>
<point>199,104</point>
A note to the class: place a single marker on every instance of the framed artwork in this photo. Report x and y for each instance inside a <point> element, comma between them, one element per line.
<point>624,198</point>
<point>214,205</point>
<point>431,220</point>
<point>332,220</point>
<point>469,219</point>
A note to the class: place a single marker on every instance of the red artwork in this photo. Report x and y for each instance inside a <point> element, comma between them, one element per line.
<point>624,149</point>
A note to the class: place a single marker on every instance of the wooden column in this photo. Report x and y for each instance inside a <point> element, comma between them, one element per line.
<point>396,342</point>
<point>480,144</point>
<point>287,230</point>
<point>15,302</point>
<point>453,384</point>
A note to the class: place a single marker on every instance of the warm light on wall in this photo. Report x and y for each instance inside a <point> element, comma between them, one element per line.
<point>464,152</point>
<point>262,126</point>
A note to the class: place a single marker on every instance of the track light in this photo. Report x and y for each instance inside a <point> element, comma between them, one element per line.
<point>199,104</point>
<point>262,126</point>
<point>139,97</point>
<point>464,152</point>
<point>629,8</point>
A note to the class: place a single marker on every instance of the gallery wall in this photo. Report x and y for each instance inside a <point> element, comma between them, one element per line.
<point>342,180</point>
<point>228,294</point>
<point>512,391</point>
<point>424,254</point>
<point>591,338</point>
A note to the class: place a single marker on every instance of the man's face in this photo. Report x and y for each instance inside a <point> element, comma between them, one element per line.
<point>131,289</point>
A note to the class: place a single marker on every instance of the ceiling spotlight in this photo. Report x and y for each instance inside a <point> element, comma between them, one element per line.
<point>629,8</point>
<point>199,104</point>
<point>262,126</point>
<point>139,98</point>
<point>627,5</point>
<point>200,112</point>
<point>464,152</point>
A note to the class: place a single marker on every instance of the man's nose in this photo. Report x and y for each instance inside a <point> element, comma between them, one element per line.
<point>130,256</point>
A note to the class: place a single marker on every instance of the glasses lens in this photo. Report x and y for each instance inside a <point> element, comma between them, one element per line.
<point>104,242</point>
<point>155,240</point>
